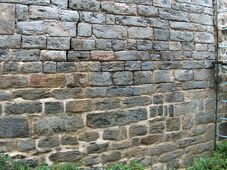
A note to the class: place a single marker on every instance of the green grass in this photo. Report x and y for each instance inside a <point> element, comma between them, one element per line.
<point>217,161</point>
<point>7,163</point>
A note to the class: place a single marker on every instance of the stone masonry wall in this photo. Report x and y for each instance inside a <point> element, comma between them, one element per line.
<point>103,81</point>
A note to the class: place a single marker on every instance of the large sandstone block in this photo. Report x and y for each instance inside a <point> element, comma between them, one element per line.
<point>7,18</point>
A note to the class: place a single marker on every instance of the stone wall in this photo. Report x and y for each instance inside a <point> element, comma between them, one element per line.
<point>105,81</point>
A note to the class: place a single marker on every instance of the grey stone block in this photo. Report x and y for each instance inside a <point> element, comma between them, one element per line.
<point>54,107</point>
<point>140,33</point>
<point>115,134</point>
<point>147,11</point>
<point>123,78</point>
<point>107,104</point>
<point>71,156</point>
<point>69,140</point>
<point>10,67</point>
<point>38,42</point>
<point>43,12</point>
<point>49,67</point>
<point>113,66</point>
<point>183,75</point>
<point>100,78</point>
<point>48,142</point>
<point>131,21</point>
<point>66,93</point>
<point>161,34</point>
<point>7,18</point>
<point>13,127</point>
<point>31,27</point>
<point>51,55</point>
<point>78,55</point>
<point>142,77</point>
<point>105,31</point>
<point>84,29</point>
<point>137,130</point>
<point>163,76</point>
<point>136,101</point>
<point>31,67</point>
<point>57,124</point>
<point>21,12</point>
<point>117,8</point>
<point>64,29</point>
<point>69,16</point>
<point>63,4</point>
<point>58,43</point>
<point>10,41</point>
<point>82,44</point>
<point>89,5</point>
<point>109,119</point>
<point>31,94</point>
<point>26,145</point>
<point>25,107</point>
<point>88,136</point>
<point>97,148</point>
<point>66,67</point>
<point>93,17</point>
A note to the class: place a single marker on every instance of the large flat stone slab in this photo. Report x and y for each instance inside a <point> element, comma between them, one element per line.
<point>7,18</point>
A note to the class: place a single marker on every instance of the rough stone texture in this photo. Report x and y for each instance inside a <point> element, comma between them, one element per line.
<point>7,19</point>
<point>101,81</point>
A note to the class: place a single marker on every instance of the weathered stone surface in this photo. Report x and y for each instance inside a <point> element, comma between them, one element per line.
<point>163,148</point>
<point>82,44</point>
<point>7,18</point>
<point>26,145</point>
<point>93,17</point>
<point>114,156</point>
<point>107,104</point>
<point>60,3</point>
<point>13,81</point>
<point>48,55</point>
<point>90,5</point>
<point>21,12</point>
<point>69,140</point>
<point>137,130</point>
<point>108,119</point>
<point>97,148</point>
<point>69,16</point>
<point>132,55</point>
<point>140,33</point>
<point>67,156</point>
<point>34,42</point>
<point>173,124</point>
<point>143,77</point>
<point>31,27</point>
<point>54,107</point>
<point>170,156</point>
<point>163,76</point>
<point>31,94</point>
<point>63,29</point>
<point>123,78</point>
<point>48,142</point>
<point>42,12</point>
<point>56,124</point>
<point>152,139</point>
<point>84,29</point>
<point>25,107</point>
<point>47,81</point>
<point>137,101</point>
<point>57,43</point>
<point>10,41</point>
<point>4,95</point>
<point>78,106</point>
<point>100,78</point>
<point>147,11</point>
<point>157,125</point>
<point>115,134</point>
<point>102,55</point>
<point>89,136</point>
<point>13,127</point>
<point>183,75</point>
<point>31,67</point>
<point>118,8</point>
<point>131,21</point>
<point>101,31</point>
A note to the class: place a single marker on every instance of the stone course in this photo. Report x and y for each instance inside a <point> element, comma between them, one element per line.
<point>103,81</point>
